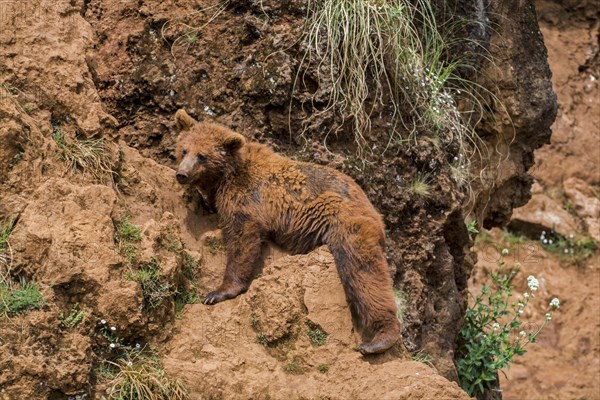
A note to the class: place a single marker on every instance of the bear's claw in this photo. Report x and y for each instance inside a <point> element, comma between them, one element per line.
<point>214,298</point>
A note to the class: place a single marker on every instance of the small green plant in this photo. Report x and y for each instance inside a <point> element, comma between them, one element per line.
<point>74,317</point>
<point>512,238</point>
<point>254,321</point>
<point>323,368</point>
<point>184,297</point>
<point>569,207</point>
<point>292,368</point>
<point>261,339</point>
<point>190,266</point>
<point>19,298</point>
<point>105,371</point>
<point>28,108</point>
<point>214,245</point>
<point>16,158</point>
<point>191,37</point>
<point>169,242</point>
<point>191,32</point>
<point>484,237</point>
<point>130,252</point>
<point>421,185</point>
<point>187,292</point>
<point>92,155</point>
<point>15,298</point>
<point>401,303</point>
<point>316,334</point>
<point>59,137</point>
<point>460,174</point>
<point>128,232</point>
<point>472,227</point>
<point>421,357</point>
<point>6,228</point>
<point>571,248</point>
<point>127,237</point>
<point>493,333</point>
<point>154,287</point>
<point>139,376</point>
<point>109,334</point>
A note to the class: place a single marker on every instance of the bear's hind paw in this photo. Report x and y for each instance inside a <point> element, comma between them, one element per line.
<point>377,346</point>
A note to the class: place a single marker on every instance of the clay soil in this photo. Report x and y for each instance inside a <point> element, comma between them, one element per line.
<point>565,363</point>
<point>55,78</point>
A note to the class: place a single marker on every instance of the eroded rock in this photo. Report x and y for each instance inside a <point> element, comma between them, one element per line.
<point>542,213</point>
<point>586,204</point>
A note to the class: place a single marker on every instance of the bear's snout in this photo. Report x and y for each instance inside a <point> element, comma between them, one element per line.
<point>182,178</point>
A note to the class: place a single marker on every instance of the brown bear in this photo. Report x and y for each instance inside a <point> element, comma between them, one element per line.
<point>260,195</point>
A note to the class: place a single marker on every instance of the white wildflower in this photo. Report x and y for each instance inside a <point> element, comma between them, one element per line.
<point>103,321</point>
<point>532,283</point>
<point>548,317</point>
<point>504,252</point>
<point>523,333</point>
<point>129,363</point>
<point>113,328</point>
<point>137,345</point>
<point>555,303</point>
<point>520,312</point>
<point>495,326</point>
<point>112,345</point>
<point>526,295</point>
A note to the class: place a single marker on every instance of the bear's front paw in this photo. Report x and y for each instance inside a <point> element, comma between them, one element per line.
<point>215,297</point>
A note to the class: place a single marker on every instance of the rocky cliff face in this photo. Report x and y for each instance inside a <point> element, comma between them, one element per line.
<point>118,71</point>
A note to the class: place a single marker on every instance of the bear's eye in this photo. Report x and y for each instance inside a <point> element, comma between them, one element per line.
<point>183,152</point>
<point>201,158</point>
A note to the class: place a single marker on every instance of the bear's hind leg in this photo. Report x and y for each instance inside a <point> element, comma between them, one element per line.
<point>369,293</point>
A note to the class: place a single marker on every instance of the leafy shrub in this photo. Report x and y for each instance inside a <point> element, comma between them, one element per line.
<point>493,333</point>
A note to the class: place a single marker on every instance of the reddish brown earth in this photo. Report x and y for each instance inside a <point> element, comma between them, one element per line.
<point>118,70</point>
<point>63,72</point>
<point>565,363</point>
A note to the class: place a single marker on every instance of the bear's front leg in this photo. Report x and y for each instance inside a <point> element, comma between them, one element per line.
<point>243,242</point>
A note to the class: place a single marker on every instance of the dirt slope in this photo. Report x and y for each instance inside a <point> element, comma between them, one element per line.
<point>565,363</point>
<point>116,71</point>
<point>258,345</point>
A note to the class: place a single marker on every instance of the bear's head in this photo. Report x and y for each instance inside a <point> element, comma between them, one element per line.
<point>205,151</point>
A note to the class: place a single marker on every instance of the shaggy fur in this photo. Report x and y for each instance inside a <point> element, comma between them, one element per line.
<point>261,195</point>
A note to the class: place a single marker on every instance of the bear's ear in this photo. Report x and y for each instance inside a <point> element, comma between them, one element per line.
<point>183,120</point>
<point>233,141</point>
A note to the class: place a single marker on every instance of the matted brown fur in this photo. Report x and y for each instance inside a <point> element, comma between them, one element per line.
<point>260,195</point>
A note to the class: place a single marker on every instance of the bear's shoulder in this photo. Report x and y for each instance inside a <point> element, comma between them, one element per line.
<point>260,154</point>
